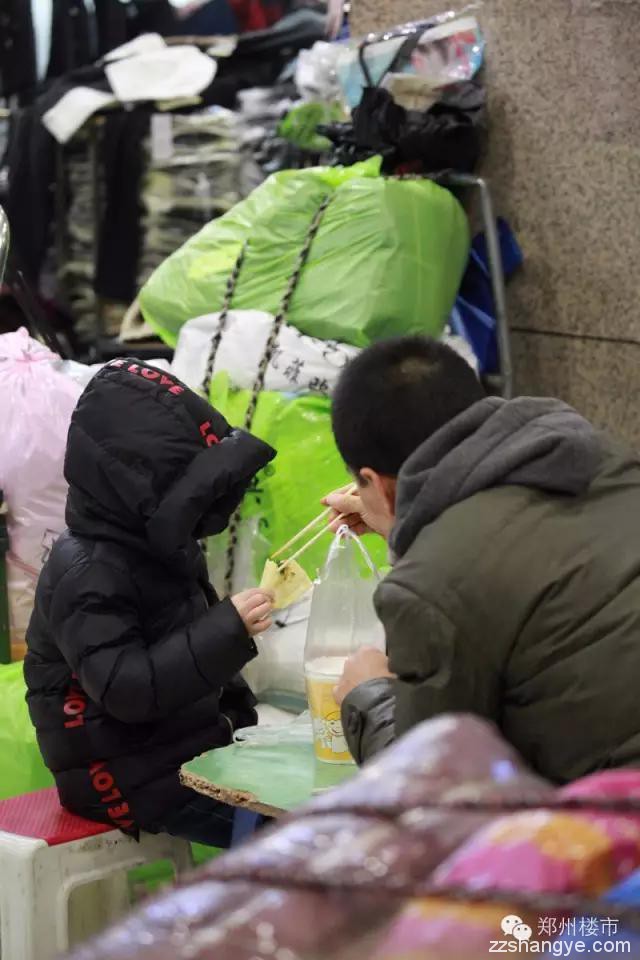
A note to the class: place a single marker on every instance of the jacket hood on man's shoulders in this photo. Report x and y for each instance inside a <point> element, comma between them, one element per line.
<point>533,442</point>
<point>149,459</point>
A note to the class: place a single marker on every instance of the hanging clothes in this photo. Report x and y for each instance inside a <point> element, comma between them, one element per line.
<point>258,14</point>
<point>31,163</point>
<point>120,229</point>
<point>118,21</point>
<point>154,16</point>
<point>216,18</point>
<point>258,60</point>
<point>260,57</point>
<point>18,60</point>
<point>71,40</point>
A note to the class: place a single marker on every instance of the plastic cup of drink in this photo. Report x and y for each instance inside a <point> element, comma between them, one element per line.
<point>321,676</point>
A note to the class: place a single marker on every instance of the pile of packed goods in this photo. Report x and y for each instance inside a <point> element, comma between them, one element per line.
<point>264,307</point>
<point>444,848</point>
<point>267,303</point>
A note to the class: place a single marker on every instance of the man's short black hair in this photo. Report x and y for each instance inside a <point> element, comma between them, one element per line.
<point>394,396</point>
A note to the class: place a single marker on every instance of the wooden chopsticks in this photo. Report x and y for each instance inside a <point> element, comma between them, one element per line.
<point>321,518</point>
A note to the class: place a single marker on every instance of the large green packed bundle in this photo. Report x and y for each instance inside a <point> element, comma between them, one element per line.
<point>387,259</point>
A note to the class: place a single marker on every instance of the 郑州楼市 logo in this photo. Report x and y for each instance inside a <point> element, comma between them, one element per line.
<point>561,937</point>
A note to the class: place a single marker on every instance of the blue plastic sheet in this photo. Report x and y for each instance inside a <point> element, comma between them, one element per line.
<point>474,314</point>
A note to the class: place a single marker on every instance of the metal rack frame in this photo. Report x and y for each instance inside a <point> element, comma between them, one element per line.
<point>502,382</point>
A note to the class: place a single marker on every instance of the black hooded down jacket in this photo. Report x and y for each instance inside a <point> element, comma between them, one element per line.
<point>132,663</point>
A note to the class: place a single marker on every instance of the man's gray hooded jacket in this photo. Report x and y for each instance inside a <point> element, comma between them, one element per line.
<point>516,591</point>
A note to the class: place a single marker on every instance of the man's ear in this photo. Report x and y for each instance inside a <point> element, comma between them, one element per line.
<point>384,486</point>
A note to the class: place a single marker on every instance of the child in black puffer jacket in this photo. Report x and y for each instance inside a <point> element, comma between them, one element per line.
<point>133,663</point>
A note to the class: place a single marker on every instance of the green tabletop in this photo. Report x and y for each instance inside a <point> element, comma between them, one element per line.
<point>270,779</point>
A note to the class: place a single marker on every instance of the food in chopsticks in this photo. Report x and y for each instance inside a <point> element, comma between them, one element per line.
<point>287,581</point>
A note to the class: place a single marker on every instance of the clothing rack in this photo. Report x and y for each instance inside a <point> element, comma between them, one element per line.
<point>13,278</point>
<point>105,347</point>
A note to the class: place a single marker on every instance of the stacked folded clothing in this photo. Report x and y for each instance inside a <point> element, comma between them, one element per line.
<point>192,175</point>
<point>77,269</point>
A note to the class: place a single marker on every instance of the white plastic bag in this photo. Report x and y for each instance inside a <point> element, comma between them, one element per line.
<point>277,673</point>
<point>300,364</point>
<point>37,405</point>
<point>316,76</point>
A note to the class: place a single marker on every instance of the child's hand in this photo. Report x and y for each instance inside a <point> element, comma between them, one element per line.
<point>254,607</point>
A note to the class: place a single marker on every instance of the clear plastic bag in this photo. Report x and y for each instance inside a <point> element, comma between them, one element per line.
<point>298,730</point>
<point>316,76</point>
<point>342,619</point>
<point>449,49</point>
<point>276,675</point>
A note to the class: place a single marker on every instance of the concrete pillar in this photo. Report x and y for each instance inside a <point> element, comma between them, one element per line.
<point>563,79</point>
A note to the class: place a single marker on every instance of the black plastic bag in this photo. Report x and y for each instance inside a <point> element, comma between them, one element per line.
<point>447,136</point>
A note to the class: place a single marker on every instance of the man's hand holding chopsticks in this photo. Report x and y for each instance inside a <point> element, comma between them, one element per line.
<point>347,509</point>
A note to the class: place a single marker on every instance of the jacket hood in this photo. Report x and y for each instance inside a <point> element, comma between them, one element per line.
<point>531,442</point>
<point>149,460</point>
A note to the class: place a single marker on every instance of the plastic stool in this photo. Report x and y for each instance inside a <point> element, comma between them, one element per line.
<point>46,852</point>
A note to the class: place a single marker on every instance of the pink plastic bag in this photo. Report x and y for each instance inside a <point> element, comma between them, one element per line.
<point>37,403</point>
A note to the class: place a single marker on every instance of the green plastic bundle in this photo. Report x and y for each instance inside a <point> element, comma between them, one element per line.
<point>300,126</point>
<point>388,257</point>
<point>307,467</point>
<point>22,768</point>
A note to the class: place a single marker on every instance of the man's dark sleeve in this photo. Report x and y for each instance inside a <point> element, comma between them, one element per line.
<point>368,718</point>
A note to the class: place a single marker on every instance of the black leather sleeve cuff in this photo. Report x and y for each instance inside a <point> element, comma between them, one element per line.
<point>368,718</point>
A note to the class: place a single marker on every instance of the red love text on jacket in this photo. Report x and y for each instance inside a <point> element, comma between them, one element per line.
<point>103,783</point>
<point>207,434</point>
<point>75,704</point>
<point>148,374</point>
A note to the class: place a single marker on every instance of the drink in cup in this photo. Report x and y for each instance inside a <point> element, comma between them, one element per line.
<point>321,676</point>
